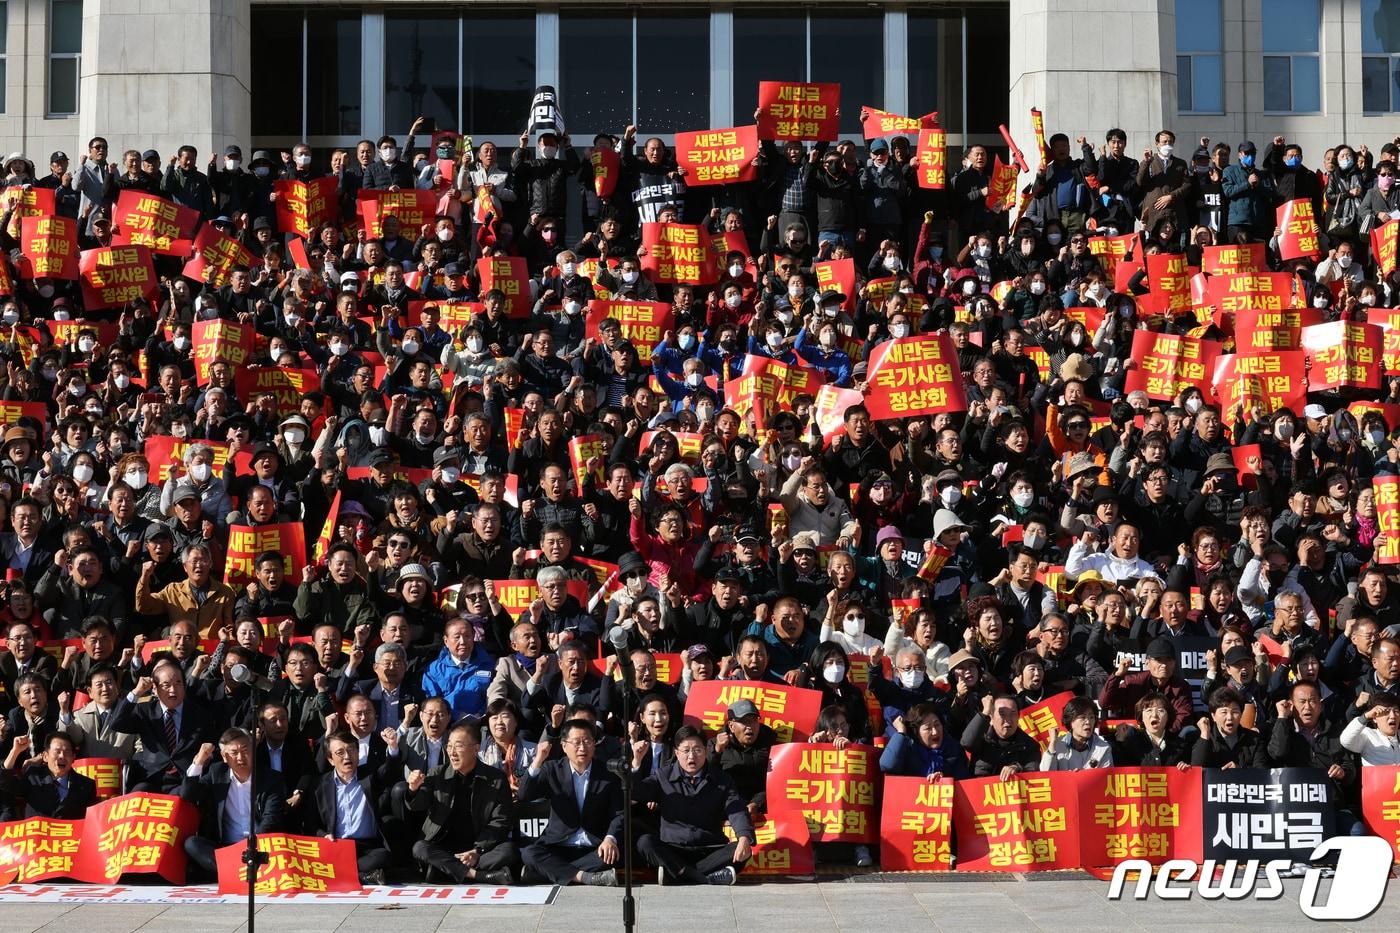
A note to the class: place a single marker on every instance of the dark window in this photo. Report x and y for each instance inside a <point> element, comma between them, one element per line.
<point>498,73</point>
<point>275,42</point>
<point>673,55</point>
<point>596,91</point>
<point>420,72</point>
<point>333,80</point>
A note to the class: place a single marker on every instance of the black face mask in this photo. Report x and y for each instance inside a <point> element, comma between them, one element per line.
<point>1276,577</point>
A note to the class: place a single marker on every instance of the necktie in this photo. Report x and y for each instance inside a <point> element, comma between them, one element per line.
<point>62,789</point>
<point>171,739</point>
<point>101,722</point>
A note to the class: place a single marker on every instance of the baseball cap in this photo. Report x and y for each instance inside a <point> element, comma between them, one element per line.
<point>1238,655</point>
<point>698,651</point>
<point>1161,649</point>
<point>1314,411</point>
<point>233,152</point>
<point>879,145</point>
<point>150,155</point>
<point>1247,146</point>
<point>741,708</point>
<point>59,156</point>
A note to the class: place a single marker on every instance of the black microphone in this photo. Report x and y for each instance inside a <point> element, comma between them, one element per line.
<point>618,639</point>
<point>244,674</point>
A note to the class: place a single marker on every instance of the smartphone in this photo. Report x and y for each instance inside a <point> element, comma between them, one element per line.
<point>149,397</point>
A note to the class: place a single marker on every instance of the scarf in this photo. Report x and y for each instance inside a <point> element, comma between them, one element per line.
<point>527,664</point>
<point>1366,530</point>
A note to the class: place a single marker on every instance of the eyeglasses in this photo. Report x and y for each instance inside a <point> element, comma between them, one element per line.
<point>398,544</point>
<point>1055,631</point>
<point>474,596</point>
<point>1078,426</point>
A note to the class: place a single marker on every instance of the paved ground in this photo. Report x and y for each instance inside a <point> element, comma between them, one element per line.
<point>966,904</point>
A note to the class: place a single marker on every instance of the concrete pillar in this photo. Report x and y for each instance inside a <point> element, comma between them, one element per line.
<point>167,74</point>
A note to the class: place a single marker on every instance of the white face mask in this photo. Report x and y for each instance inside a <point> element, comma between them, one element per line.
<point>1022,499</point>
<point>828,339</point>
<point>636,584</point>
<point>795,290</point>
<point>950,495</point>
<point>784,315</point>
<point>376,435</point>
<point>773,339</point>
<point>568,268</point>
<point>1054,238</point>
<point>629,277</point>
<point>136,479</point>
<point>1368,300</point>
<point>548,152</point>
<point>1033,541</point>
<point>1193,404</point>
<point>411,347</point>
<point>77,389</point>
<point>86,344</point>
<point>899,330</point>
<point>704,413</point>
<point>853,625</point>
<point>303,160</point>
<point>792,462</point>
<point>200,472</point>
<point>59,314</point>
<point>1320,302</point>
<point>891,263</point>
<point>983,252</point>
<point>1344,260</point>
<point>423,438</point>
<point>294,436</point>
<point>1165,151</point>
<point>1076,338</point>
<point>733,301</point>
<point>474,344</point>
<point>82,472</point>
<point>911,680</point>
<point>736,270</point>
<point>694,380</point>
<point>232,165</point>
<point>572,308</point>
<point>121,381</point>
<point>339,349</point>
<point>834,673</point>
<point>450,475</point>
<point>181,343</point>
<point>389,153</point>
<point>179,430</point>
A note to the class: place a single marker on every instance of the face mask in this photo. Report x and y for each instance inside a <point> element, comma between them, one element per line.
<point>629,277</point>
<point>200,472</point>
<point>50,373</point>
<point>1109,231</point>
<point>1193,404</point>
<point>568,268</point>
<point>1076,338</point>
<point>853,625</point>
<point>389,153</point>
<point>1320,302</point>
<point>376,435</point>
<point>445,235</point>
<point>548,152</point>
<point>694,380</point>
<point>828,339</point>
<point>572,308</point>
<point>795,291</point>
<point>294,437</point>
<point>1345,164</point>
<point>728,344</point>
<point>1054,238</point>
<point>785,315</point>
<point>116,447</point>
<point>969,288</point>
<point>704,413</point>
<point>86,344</point>
<point>1248,161</point>
<point>1276,577</point>
<point>686,341</point>
<point>1367,300</point>
<point>907,290</point>
<point>262,171</point>
<point>1165,151</point>
<point>792,462</point>
<point>232,165</point>
<point>950,495</point>
<point>136,479</point>
<point>1022,499</point>
<point>179,430</point>
<point>833,673</point>
<point>1344,260</point>
<point>1283,430</point>
<point>423,438</point>
<point>636,584</point>
<point>77,389</point>
<point>1384,182</point>
<point>1292,161</point>
<point>11,316</point>
<point>1377,436</point>
<point>736,270</point>
<point>303,160</point>
<point>1037,288</point>
<point>911,680</point>
<point>121,381</point>
<point>831,310</point>
<point>474,344</point>
<point>410,347</point>
<point>339,349</point>
<point>773,339</point>
<point>181,343</point>
<point>891,263</point>
<point>450,475</point>
<point>1345,435</point>
<point>82,473</point>
<point>94,411</point>
<point>1033,541</point>
<point>898,331</point>
<point>733,301</point>
<point>983,252</point>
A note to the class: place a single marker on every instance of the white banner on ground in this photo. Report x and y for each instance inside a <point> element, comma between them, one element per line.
<point>404,896</point>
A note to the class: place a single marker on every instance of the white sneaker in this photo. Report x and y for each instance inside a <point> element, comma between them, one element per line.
<point>863,857</point>
<point>661,877</point>
<point>725,875</point>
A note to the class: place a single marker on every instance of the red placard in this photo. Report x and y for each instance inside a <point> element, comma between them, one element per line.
<point>1113,250</point>
<point>718,157</point>
<point>1269,379</point>
<point>327,535</point>
<point>829,409</point>
<point>1001,191</point>
<point>302,206</point>
<point>796,110</point>
<point>1344,355</point>
<point>642,322</point>
<point>678,254</point>
<point>1380,803</point>
<point>1232,258</point>
<point>515,596</point>
<point>163,227</point>
<point>789,711</point>
<point>38,848</point>
<point>916,824</point>
<point>134,834</point>
<point>65,333</point>
<point>877,123</point>
<point>1029,823</point>
<point>834,790</point>
<point>50,247</point>
<point>1140,813</point>
<point>1383,244</point>
<point>11,412</point>
<point>607,167</point>
<point>1239,292</point>
<point>452,315</point>
<point>1038,719</point>
<point>295,864</point>
<point>164,452</point>
<point>26,201</point>
<point>1386,490</point>
<point>839,274</point>
<point>783,847</point>
<point>1169,281</point>
<point>583,448</point>
<point>246,542</point>
<point>114,276</point>
<point>512,276</point>
<point>410,475</point>
<point>689,443</point>
<point>1262,331</point>
<point>413,208</point>
<point>286,384</point>
<point>1297,237</point>
<point>931,162</point>
<point>219,340</point>
<point>217,256</point>
<point>1167,364</point>
<point>914,376</point>
<point>1091,316</point>
<point>106,773</point>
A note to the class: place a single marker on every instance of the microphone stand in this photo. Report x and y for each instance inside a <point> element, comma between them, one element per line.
<point>629,903</point>
<point>252,858</point>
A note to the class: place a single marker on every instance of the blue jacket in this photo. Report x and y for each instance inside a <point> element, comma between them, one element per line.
<point>1246,206</point>
<point>836,363</point>
<point>906,757</point>
<point>464,686</point>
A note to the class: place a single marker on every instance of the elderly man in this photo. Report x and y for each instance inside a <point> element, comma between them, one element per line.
<point>171,730</point>
<point>223,793</point>
<point>54,790</point>
<point>387,689</point>
<point>580,841</point>
<point>461,673</point>
<point>559,615</point>
<point>199,597</point>
<point>812,506</point>
<point>1119,562</point>
<point>995,741</point>
<point>574,682</point>
<point>526,662</point>
<point>349,805</point>
<point>789,641</point>
<point>1122,691</point>
<point>75,590</point>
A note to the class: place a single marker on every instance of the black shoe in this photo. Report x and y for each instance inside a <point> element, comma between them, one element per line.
<point>500,876</point>
<point>725,876</point>
<point>371,878</point>
<point>528,875</point>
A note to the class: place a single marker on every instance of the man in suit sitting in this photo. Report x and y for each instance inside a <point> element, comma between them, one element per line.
<point>516,672</point>
<point>171,729</point>
<point>375,745</point>
<point>574,682</point>
<point>585,812</point>
<point>55,790</point>
<point>223,792</point>
<point>424,747</point>
<point>288,755</point>
<point>91,727</point>
<point>22,656</point>
<point>349,806</point>
<point>35,716</point>
<point>387,689</point>
<point>466,832</point>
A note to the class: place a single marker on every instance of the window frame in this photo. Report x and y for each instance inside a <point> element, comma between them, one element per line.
<point>51,58</point>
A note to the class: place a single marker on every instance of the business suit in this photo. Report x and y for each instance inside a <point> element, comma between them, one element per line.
<point>18,723</point>
<point>39,788</point>
<point>442,833</point>
<point>413,749</point>
<point>554,855</point>
<point>370,687</point>
<point>374,761</point>
<point>371,852</point>
<point>95,739</point>
<point>307,708</point>
<point>594,689</point>
<point>691,843</point>
<point>158,768</point>
<point>209,792</point>
<point>42,663</point>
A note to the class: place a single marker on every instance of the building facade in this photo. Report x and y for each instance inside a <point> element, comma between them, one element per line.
<point>209,72</point>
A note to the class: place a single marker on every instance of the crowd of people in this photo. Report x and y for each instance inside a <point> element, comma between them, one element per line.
<point>1086,529</point>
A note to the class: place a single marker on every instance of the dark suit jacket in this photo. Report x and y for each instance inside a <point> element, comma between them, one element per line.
<point>39,789</point>
<point>602,804</point>
<point>42,663</point>
<point>321,817</point>
<point>209,792</point>
<point>594,689</point>
<point>378,756</point>
<point>369,687</point>
<point>490,804</point>
<point>146,721</point>
<point>298,767</point>
<point>38,732</point>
